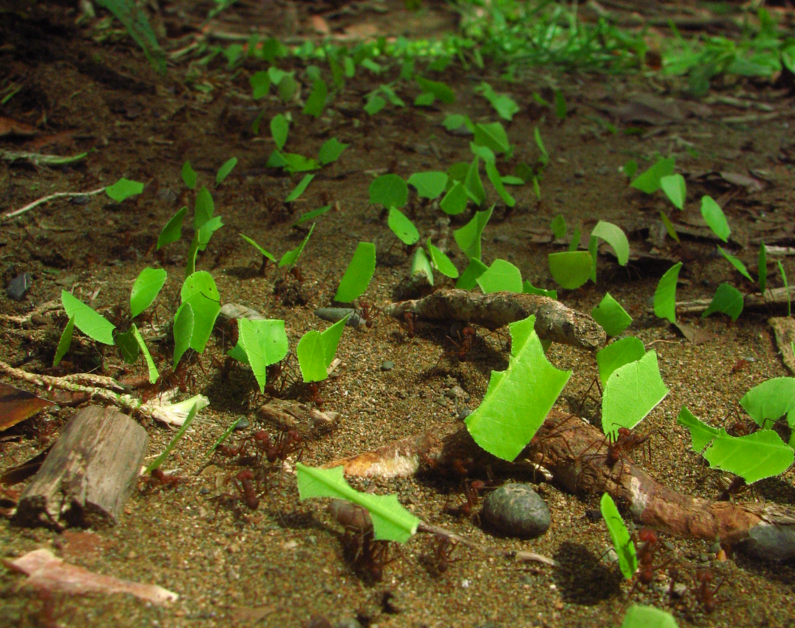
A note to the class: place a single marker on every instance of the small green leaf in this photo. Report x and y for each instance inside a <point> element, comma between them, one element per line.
<point>155,464</point>
<point>571,269</point>
<point>669,226</point>
<point>145,289</point>
<point>93,325</point>
<point>611,316</point>
<point>754,457</point>
<point>727,300</point>
<point>280,127</point>
<point>331,151</point>
<point>468,278</point>
<point>204,209</point>
<point>189,176</point>
<point>544,158</point>
<point>631,392</point>
<point>429,184</point>
<point>207,230</point>
<point>65,342</point>
<point>474,184</point>
<point>124,189</point>
<point>173,229</point>
<point>468,236</point>
<point>224,170</point>
<point>287,88</point>
<point>615,237</point>
<point>593,249</point>
<point>391,522</point>
<point>665,294</point>
<point>493,136</point>
<point>262,251</point>
<point>315,213</point>
<point>426,99</point>
<point>183,332</point>
<point>200,291</point>
<point>442,262</point>
<point>518,399</point>
<point>738,265</point>
<point>501,276</point>
<point>503,104</point>
<point>265,343</point>
<point>700,433</point>
<point>298,163</point>
<point>649,181</point>
<point>647,617</point>
<point>374,104</point>
<point>528,288</point>
<point>575,241</point>
<point>439,90</point>
<point>715,218</point>
<point>560,105</point>
<point>299,189</point>
<point>622,542</point>
<point>316,102</point>
<point>486,154</point>
<point>402,227</point>
<point>786,286</point>
<point>455,201</point>
<point>291,257</point>
<point>770,401</point>
<point>421,266</point>
<point>358,274</point>
<point>456,121</point>
<point>496,181</point>
<point>331,339</point>
<point>675,189</point>
<point>150,363</point>
<point>127,346</point>
<point>617,354</point>
<point>311,354</point>
<point>630,168</point>
<point>260,84</point>
<point>558,226</point>
<point>762,270</point>
<point>389,190</point>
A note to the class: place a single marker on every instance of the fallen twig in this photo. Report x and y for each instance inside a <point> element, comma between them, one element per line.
<point>45,199</point>
<point>775,296</point>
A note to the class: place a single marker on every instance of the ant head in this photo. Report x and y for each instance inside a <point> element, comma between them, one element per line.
<point>478,485</point>
<point>647,535</point>
<point>623,431</point>
<point>704,576</point>
<point>246,474</point>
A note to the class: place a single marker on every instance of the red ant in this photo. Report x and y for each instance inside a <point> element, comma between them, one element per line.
<point>367,555</point>
<point>625,442</point>
<point>368,312</point>
<point>313,388</point>
<point>410,319</point>
<point>469,500</point>
<point>179,378</point>
<point>443,548</point>
<point>285,444</point>
<point>158,479</point>
<point>244,483</point>
<point>645,555</point>
<point>467,338</point>
<point>704,594</point>
<point>736,486</point>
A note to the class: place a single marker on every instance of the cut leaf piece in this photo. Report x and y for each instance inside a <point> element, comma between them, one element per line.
<point>728,300</point>
<point>648,617</point>
<point>65,342</point>
<point>280,127</point>
<point>331,151</point>
<point>669,226</point>
<point>455,201</point>
<point>571,269</point>
<point>492,136</point>
<point>474,184</point>
<point>501,276</point>
<point>558,226</point>
<point>617,354</point>
<point>611,316</point>
<point>358,274</point>
<point>631,392</point>
<point>767,402</point>
<point>649,181</point>
<point>421,266</point>
<point>311,354</point>
<point>665,294</point>
<point>124,189</point>
<point>622,542</point>
<point>200,291</point>
<point>265,343</point>
<point>189,176</point>
<point>93,325</point>
<point>518,399</point>
<point>291,257</point>
<point>529,288</point>
<point>299,189</point>
<point>316,102</point>
<point>468,236</point>
<point>700,433</point>
<point>183,331</point>
<point>173,229</point>
<point>496,181</point>
<point>391,522</point>
<point>225,170</point>
<point>145,289</point>
<point>468,278</point>
<point>442,262</point>
<point>127,346</point>
<point>615,237</point>
<point>389,190</point>
<point>754,457</point>
<point>262,251</point>
<point>429,184</point>
<point>675,189</point>
<point>738,265</point>
<point>402,227</point>
<point>331,339</point>
<point>715,218</point>
<point>438,89</point>
<point>150,363</point>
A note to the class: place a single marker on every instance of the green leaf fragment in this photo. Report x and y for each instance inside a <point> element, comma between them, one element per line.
<point>127,346</point>
<point>665,294</point>
<point>700,433</point>
<point>622,542</point>
<point>150,363</point>
<point>715,218</point>
<point>611,316</point>
<point>331,339</point>
<point>358,274</point>
<point>675,189</point>
<point>312,357</point>
<point>738,265</point>
<point>183,331</point>
<point>299,189</point>
<point>402,227</point>
<point>391,521</point>
<point>200,291</point>
<point>617,354</point>
<point>204,208</point>
<point>493,136</point>
<point>615,237</point>
<point>649,181</point>
<point>468,278</point>
<point>558,226</point>
<point>374,104</point>
<point>727,300</point>
<point>455,201</point>
<point>315,213</point>
<point>669,226</point>
<point>262,251</point>
<point>265,343</point>
<point>331,151</point>
<point>754,457</point>
<point>528,288</point>
<point>571,269</point>
<point>648,617</point>
<point>260,84</point>
<point>316,102</point>
<point>189,176</point>
<point>124,189</point>
<point>280,127</point>
<point>518,399</point>
<point>474,184</point>
<point>225,170</point>
<point>501,276</point>
<point>65,342</point>
<point>88,321</point>
<point>389,190</point>
<point>771,400</point>
<point>438,89</point>
<point>429,184</point>
<point>194,410</point>
<point>145,289</point>
<point>442,262</point>
<point>173,229</point>
<point>291,257</point>
<point>421,266</point>
<point>468,236</point>
<point>496,181</point>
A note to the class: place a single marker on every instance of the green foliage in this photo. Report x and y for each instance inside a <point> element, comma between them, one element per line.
<point>402,227</point>
<point>771,400</point>
<point>124,189</point>
<point>631,392</point>
<point>157,462</point>
<point>617,354</point>
<point>311,215</point>
<point>715,218</point>
<point>571,269</point>
<point>543,160</point>
<point>189,176</point>
<point>204,208</point>
<point>280,128</point>
<point>316,102</point>
<point>648,617</point>
<point>150,363</point>
<point>669,226</point>
<point>493,136</point>
<point>518,399</point>
<point>421,266</point>
<point>441,262</point>
<point>456,121</point>
<point>473,184</point>
<point>374,104</point>
<point>622,542</point>
<point>649,181</point>
<point>528,288</point>
<point>92,324</point>
<point>264,342</point>
<point>437,90</point>
<point>358,274</point>
<point>675,189</point>
<point>173,229</point>
<point>316,351</point>
<point>145,289</point>
<point>391,522</point>
<point>701,434</point>
<point>389,190</point>
<point>260,84</point>
<point>127,346</point>
<point>200,291</point>
<point>468,278</point>
<point>183,331</point>
<point>299,189</point>
<point>665,294</point>
<point>630,168</point>
<point>558,226</point>
<point>468,236</point>
<point>224,170</point>
<point>762,268</point>
<point>786,287</point>
<point>455,201</point>
<point>429,184</point>
<point>738,265</point>
<point>135,21</point>
<point>65,341</point>
<point>291,257</point>
<point>728,300</point>
<point>496,181</point>
<point>611,316</point>
<point>262,251</point>
<point>331,151</point>
<point>503,104</point>
<point>560,105</point>
<point>615,237</point>
<point>501,276</point>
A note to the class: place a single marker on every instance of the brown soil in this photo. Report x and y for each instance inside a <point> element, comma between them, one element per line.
<point>285,562</point>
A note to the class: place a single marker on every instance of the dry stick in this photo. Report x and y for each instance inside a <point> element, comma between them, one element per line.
<point>45,199</point>
<point>766,530</point>
<point>775,296</point>
<point>554,321</point>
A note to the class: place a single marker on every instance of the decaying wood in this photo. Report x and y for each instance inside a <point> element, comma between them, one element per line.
<point>554,321</point>
<point>754,300</point>
<point>286,414</point>
<point>89,474</point>
<point>784,328</point>
<point>575,453</point>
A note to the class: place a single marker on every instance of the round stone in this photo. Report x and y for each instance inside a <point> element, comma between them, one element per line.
<point>387,365</point>
<point>516,510</point>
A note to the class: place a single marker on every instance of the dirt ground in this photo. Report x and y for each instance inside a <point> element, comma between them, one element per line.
<point>286,562</point>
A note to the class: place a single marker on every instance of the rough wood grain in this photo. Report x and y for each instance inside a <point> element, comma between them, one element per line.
<point>89,474</point>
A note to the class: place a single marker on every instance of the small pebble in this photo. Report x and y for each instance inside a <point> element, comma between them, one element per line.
<point>464,413</point>
<point>516,510</point>
<point>348,622</point>
<point>387,365</point>
<point>81,199</point>
<point>18,286</point>
<point>242,424</point>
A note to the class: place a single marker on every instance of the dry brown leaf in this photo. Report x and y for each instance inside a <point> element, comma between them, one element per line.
<point>743,180</point>
<point>694,335</point>
<point>12,127</point>
<point>17,405</point>
<point>320,25</point>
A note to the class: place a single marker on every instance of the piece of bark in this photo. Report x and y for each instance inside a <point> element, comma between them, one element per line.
<point>285,414</point>
<point>575,453</point>
<point>89,474</point>
<point>754,300</point>
<point>554,321</point>
<point>784,329</point>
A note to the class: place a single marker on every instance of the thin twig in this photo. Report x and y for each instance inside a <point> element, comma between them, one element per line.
<point>46,199</point>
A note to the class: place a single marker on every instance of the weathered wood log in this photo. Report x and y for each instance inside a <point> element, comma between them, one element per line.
<point>576,453</point>
<point>752,300</point>
<point>286,414</point>
<point>554,321</point>
<point>89,474</point>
